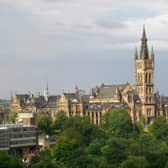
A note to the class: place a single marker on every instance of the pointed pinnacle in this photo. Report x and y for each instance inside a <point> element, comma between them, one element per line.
<point>144,33</point>
<point>136,53</point>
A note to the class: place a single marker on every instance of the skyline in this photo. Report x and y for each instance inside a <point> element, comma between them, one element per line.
<point>77,42</point>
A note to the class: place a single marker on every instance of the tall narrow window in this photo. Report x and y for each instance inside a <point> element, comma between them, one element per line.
<point>149,77</point>
<point>146,77</point>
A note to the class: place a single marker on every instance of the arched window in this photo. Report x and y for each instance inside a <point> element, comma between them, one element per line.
<point>146,77</point>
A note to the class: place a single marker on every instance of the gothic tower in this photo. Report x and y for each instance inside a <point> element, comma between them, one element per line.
<point>144,78</point>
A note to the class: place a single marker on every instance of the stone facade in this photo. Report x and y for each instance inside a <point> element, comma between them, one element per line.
<point>139,100</point>
<point>29,106</point>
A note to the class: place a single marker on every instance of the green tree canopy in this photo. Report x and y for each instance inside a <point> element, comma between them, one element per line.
<point>60,120</point>
<point>135,162</point>
<point>12,117</point>
<point>118,122</point>
<point>159,128</point>
<point>8,161</point>
<point>44,123</point>
<point>115,150</point>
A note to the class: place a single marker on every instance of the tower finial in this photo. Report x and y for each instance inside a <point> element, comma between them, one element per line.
<point>144,33</point>
<point>144,47</point>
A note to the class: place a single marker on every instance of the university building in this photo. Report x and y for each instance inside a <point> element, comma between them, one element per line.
<point>139,99</point>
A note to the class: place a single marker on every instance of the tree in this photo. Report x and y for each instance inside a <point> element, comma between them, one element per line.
<point>44,123</point>
<point>60,120</point>
<point>148,143</point>
<point>135,162</point>
<point>12,117</point>
<point>82,125</point>
<point>94,147</point>
<point>67,150</point>
<point>157,160</point>
<point>44,160</point>
<point>46,164</point>
<point>159,128</point>
<point>118,122</point>
<point>141,124</point>
<point>7,161</point>
<point>115,150</point>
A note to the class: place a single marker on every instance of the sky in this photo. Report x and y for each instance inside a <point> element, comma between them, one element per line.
<point>78,42</point>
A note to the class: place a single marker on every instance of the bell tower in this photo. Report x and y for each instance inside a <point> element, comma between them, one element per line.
<point>144,78</point>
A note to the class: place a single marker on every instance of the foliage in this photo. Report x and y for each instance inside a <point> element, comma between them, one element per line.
<point>159,128</point>
<point>12,117</point>
<point>135,162</point>
<point>94,147</point>
<point>60,120</point>
<point>115,150</point>
<point>118,123</point>
<point>115,143</point>
<point>7,161</point>
<point>44,123</point>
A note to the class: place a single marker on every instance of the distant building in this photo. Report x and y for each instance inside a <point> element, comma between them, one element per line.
<point>107,97</point>
<point>4,110</point>
<point>28,106</point>
<point>14,137</point>
<point>139,100</point>
<point>71,103</point>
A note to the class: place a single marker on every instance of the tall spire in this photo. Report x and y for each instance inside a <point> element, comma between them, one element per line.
<point>46,92</point>
<point>144,47</point>
<point>136,53</point>
<point>144,33</point>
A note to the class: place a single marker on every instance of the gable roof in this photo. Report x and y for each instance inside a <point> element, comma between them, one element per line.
<point>108,91</point>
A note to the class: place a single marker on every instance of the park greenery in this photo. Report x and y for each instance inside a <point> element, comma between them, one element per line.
<point>115,143</point>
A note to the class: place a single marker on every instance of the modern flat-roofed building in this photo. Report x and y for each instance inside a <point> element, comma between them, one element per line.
<point>18,136</point>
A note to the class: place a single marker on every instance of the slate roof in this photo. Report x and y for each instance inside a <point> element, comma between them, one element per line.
<point>39,101</point>
<point>72,97</point>
<point>52,101</point>
<point>100,106</point>
<point>108,91</point>
<point>23,98</point>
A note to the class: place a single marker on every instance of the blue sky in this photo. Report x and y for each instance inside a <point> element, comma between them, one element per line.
<point>78,42</point>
